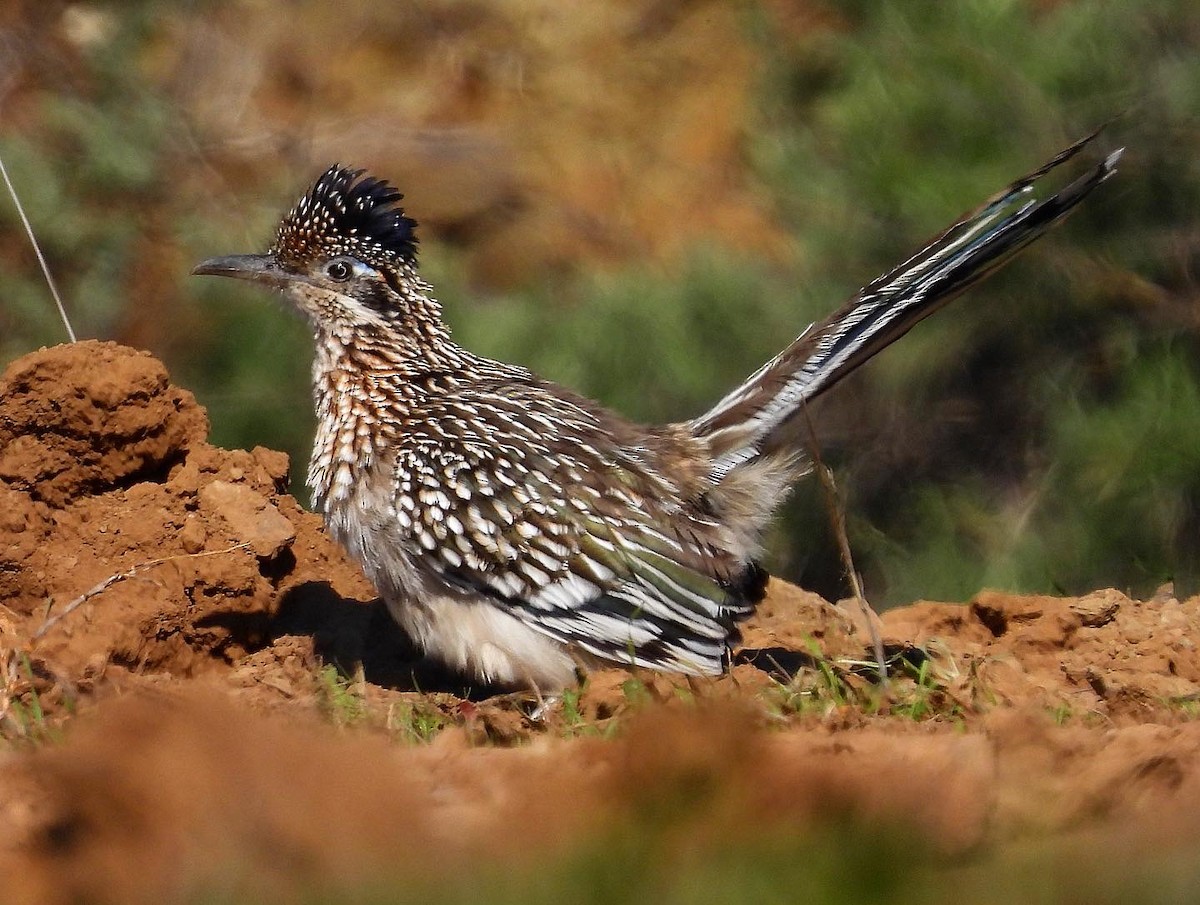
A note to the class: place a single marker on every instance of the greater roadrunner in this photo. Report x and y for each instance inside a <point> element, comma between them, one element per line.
<point>518,531</point>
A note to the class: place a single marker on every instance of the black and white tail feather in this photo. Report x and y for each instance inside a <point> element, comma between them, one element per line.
<point>742,425</point>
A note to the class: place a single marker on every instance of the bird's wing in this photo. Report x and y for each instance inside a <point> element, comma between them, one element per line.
<point>526,499</point>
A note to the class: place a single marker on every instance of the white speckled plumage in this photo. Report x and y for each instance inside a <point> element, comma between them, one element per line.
<point>518,531</point>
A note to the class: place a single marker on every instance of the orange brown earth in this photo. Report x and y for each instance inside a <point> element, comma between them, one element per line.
<point>200,692</point>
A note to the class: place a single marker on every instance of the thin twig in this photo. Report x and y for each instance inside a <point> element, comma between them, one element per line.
<point>103,586</point>
<point>37,250</point>
<point>8,684</point>
<point>837,516</point>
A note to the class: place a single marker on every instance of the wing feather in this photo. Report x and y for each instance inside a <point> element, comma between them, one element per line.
<point>587,542</point>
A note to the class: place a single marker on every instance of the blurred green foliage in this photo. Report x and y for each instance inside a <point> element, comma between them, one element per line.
<point>1073,465</point>
<point>1041,434</point>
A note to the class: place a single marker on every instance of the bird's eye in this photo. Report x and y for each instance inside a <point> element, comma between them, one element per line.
<point>339,270</point>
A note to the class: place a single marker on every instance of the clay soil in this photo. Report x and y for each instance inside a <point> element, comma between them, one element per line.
<point>201,694</point>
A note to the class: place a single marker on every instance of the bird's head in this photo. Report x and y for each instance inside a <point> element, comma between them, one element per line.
<point>345,256</point>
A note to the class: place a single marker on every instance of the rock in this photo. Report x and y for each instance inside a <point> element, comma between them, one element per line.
<point>251,516</point>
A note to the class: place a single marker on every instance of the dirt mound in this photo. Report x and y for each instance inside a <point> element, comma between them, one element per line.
<point>129,547</point>
<point>138,561</point>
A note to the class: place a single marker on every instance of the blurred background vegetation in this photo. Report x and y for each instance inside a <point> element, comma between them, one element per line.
<point>647,199</point>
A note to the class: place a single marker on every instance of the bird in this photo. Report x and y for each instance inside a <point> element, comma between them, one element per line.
<point>522,534</point>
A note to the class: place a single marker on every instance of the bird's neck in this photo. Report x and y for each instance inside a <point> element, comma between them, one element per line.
<point>367,384</point>
<point>406,348</point>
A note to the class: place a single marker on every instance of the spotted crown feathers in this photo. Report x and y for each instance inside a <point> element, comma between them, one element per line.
<point>347,213</point>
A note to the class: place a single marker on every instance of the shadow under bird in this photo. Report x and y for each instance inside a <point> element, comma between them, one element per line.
<point>520,532</point>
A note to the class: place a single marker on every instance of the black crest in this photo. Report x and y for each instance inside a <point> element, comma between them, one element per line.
<point>348,213</point>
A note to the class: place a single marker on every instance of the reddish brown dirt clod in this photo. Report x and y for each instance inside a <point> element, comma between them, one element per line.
<point>91,416</point>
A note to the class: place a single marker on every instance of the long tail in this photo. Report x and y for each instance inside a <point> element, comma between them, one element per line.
<point>741,425</point>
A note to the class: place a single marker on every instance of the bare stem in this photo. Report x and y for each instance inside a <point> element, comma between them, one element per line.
<point>37,250</point>
<point>837,517</point>
<point>107,583</point>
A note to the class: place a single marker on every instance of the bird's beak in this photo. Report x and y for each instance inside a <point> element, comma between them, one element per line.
<point>263,269</point>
